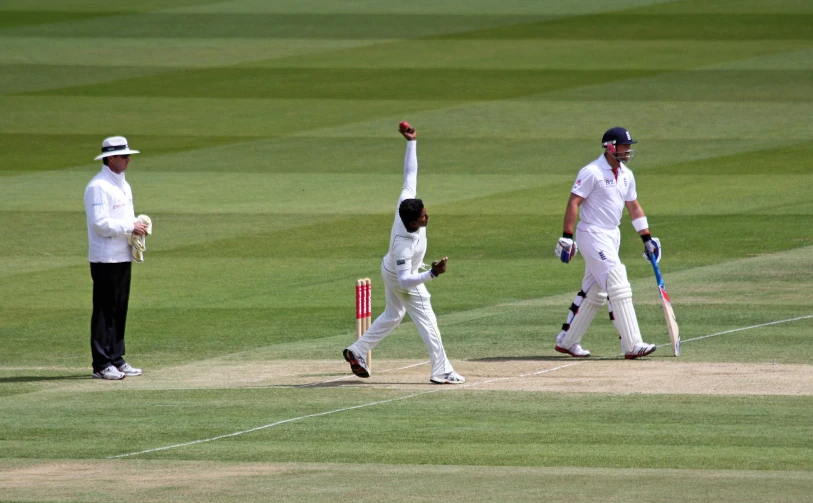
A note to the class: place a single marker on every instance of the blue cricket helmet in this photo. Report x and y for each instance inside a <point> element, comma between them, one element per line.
<point>617,136</point>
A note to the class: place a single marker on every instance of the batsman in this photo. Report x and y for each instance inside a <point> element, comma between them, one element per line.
<point>602,189</point>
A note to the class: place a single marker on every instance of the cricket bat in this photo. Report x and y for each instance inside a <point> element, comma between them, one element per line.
<point>668,312</point>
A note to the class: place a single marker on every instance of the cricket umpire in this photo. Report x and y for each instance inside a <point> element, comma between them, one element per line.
<point>404,286</point>
<point>110,218</point>
<point>602,189</point>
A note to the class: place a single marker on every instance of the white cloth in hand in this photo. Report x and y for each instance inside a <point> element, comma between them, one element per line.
<point>139,243</point>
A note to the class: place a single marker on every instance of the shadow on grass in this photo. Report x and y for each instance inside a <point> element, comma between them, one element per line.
<point>358,383</point>
<point>20,379</point>
<point>549,358</point>
<point>336,384</point>
<point>540,358</point>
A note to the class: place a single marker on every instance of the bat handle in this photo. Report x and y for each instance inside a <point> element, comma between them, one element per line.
<point>654,261</point>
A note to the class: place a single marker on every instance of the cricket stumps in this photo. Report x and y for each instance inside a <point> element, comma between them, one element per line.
<point>364,309</point>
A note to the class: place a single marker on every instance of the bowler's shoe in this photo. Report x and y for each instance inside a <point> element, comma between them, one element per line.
<point>357,364</point>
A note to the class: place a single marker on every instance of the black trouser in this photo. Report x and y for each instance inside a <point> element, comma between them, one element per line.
<point>111,293</point>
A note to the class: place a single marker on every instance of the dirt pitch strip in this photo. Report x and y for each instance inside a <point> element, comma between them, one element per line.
<point>562,375</point>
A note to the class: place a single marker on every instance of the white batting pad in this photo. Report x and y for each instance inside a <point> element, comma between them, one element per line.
<point>594,299</point>
<point>620,293</point>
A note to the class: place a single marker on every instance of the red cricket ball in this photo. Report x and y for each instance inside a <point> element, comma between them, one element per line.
<point>404,126</point>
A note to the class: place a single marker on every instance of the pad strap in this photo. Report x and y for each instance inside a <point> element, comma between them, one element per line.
<point>583,316</point>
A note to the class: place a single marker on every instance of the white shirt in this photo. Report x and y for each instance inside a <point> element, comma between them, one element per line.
<point>407,249</point>
<point>604,194</point>
<point>110,217</point>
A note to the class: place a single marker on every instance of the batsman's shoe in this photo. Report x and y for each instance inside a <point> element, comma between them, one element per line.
<point>110,373</point>
<point>448,378</point>
<point>640,349</point>
<point>576,351</point>
<point>357,363</point>
<point>129,370</point>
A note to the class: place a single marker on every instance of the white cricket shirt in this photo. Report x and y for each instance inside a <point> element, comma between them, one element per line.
<point>407,249</point>
<point>110,217</point>
<point>605,194</point>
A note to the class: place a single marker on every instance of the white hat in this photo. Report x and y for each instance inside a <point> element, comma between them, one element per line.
<point>115,145</point>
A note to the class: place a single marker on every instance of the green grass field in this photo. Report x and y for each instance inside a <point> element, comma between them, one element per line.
<point>270,166</point>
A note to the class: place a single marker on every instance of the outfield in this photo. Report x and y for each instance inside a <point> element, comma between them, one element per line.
<point>270,166</point>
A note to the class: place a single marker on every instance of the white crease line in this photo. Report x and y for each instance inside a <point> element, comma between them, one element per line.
<point>274,424</point>
<point>442,388</point>
<point>749,328</point>
<point>342,378</point>
<point>347,377</point>
<point>496,379</point>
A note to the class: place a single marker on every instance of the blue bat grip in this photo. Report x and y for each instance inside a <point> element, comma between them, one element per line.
<point>657,269</point>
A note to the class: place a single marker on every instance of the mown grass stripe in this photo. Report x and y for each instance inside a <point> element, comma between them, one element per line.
<point>414,395</point>
<point>271,425</point>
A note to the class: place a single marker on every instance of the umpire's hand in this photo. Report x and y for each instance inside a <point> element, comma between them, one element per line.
<point>139,228</point>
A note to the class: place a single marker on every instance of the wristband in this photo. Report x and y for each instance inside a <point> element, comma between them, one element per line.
<point>646,237</point>
<point>567,235</point>
<point>432,274</point>
<point>640,224</point>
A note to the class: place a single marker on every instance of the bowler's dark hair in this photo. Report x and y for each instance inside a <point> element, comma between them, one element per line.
<point>104,161</point>
<point>410,210</point>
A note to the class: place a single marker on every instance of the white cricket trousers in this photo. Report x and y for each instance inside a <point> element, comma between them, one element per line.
<point>599,247</point>
<point>414,301</point>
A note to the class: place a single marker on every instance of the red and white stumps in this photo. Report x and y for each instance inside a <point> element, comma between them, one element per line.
<point>364,309</point>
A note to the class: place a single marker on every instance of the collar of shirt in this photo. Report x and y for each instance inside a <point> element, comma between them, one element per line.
<point>602,162</point>
<point>118,178</point>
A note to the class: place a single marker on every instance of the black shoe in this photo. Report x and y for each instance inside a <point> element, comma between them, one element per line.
<point>357,363</point>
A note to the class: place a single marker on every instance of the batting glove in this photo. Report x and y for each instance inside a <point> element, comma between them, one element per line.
<point>652,246</point>
<point>566,249</point>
